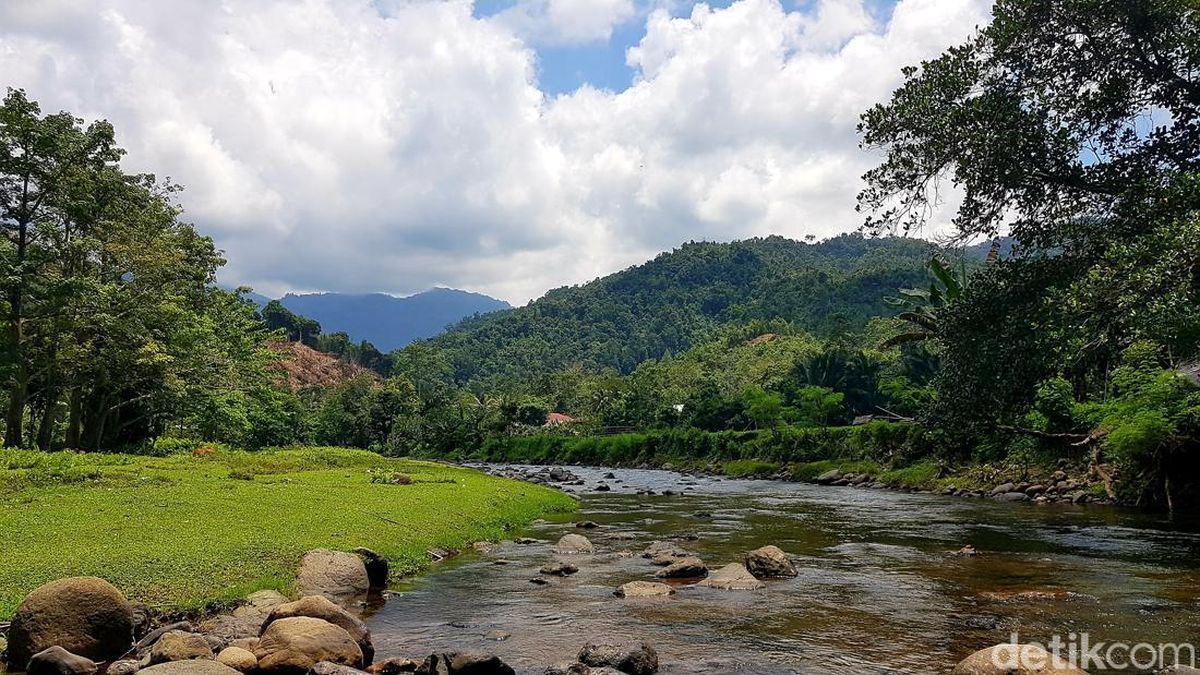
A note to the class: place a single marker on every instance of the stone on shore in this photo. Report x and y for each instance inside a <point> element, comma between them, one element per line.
<point>769,562</point>
<point>190,667</point>
<point>246,620</point>
<point>465,663</point>
<point>732,577</point>
<point>58,661</point>
<point>179,645</point>
<point>632,658</point>
<point>393,666</point>
<point>1011,497</point>
<point>86,616</point>
<point>683,568</point>
<point>335,574</point>
<point>1013,659</point>
<point>293,645</point>
<point>320,607</point>
<point>327,668</point>
<point>123,667</point>
<point>241,660</point>
<point>571,544</point>
<point>643,589</point>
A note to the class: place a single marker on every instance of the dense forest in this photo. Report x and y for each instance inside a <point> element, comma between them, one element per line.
<point>1076,339</point>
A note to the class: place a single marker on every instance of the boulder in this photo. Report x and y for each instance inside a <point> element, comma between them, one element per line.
<point>1011,497</point>
<point>1003,488</point>
<point>178,645</point>
<point>377,568</point>
<point>241,660</point>
<point>829,477</point>
<point>683,568</point>
<point>571,544</point>
<point>1013,659</point>
<point>465,663</point>
<point>320,607</point>
<point>190,667</point>
<point>295,644</point>
<point>86,616</point>
<point>142,647</point>
<point>58,661</point>
<point>632,658</point>
<point>662,552</point>
<point>246,620</point>
<point>336,574</point>
<point>559,568</point>
<point>123,667</point>
<point>769,562</point>
<point>643,589</point>
<point>732,577</point>
<point>327,668</point>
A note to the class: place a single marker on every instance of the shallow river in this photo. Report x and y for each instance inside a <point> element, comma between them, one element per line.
<point>879,589</point>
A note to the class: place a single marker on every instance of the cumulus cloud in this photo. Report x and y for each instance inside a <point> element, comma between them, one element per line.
<point>353,145</point>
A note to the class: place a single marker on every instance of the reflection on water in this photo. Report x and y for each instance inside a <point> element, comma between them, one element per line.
<point>879,589</point>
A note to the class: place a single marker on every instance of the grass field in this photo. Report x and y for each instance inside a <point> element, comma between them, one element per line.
<point>183,532</point>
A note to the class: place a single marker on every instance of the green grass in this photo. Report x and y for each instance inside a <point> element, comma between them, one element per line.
<point>184,532</point>
<point>747,468</point>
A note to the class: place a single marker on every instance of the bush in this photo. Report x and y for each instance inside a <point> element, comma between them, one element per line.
<point>749,468</point>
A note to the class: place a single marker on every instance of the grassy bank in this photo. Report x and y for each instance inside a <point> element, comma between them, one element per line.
<point>183,531</point>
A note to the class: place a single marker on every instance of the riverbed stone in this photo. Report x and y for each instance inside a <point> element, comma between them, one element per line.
<point>320,607</point>
<point>239,659</point>
<point>1014,659</point>
<point>58,661</point>
<point>683,568</point>
<point>465,663</point>
<point>336,574</point>
<point>663,553</point>
<point>632,658</point>
<point>123,667</point>
<point>559,568</point>
<point>571,544</point>
<point>829,477</point>
<point>327,668</point>
<point>190,667</point>
<point>643,589</point>
<point>86,616</point>
<point>295,644</point>
<point>179,645</point>
<point>732,577</point>
<point>1011,497</point>
<point>769,562</point>
<point>246,620</point>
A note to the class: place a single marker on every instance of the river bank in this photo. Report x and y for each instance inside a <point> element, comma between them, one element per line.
<point>191,532</point>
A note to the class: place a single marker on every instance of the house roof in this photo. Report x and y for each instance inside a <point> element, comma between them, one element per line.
<point>559,418</point>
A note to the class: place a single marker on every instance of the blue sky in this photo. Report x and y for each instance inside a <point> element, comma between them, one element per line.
<point>601,64</point>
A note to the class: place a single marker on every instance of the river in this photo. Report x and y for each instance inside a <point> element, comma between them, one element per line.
<point>880,589</point>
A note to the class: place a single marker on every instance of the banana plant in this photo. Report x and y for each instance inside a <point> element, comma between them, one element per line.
<point>920,305</point>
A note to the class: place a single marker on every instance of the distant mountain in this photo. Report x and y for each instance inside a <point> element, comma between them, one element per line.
<point>681,298</point>
<point>386,321</point>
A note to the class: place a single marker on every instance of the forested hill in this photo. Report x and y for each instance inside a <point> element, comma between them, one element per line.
<point>677,299</point>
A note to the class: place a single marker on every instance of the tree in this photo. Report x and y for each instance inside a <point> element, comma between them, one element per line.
<point>920,306</point>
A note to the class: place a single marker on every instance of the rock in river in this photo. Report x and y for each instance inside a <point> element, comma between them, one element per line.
<point>769,562</point>
<point>732,577</point>
<point>574,543</point>
<point>320,607</point>
<point>295,644</point>
<point>465,663</point>
<point>632,658</point>
<point>559,568</point>
<point>683,568</point>
<point>336,574</point>
<point>83,615</point>
<point>643,589</point>
<point>1013,659</point>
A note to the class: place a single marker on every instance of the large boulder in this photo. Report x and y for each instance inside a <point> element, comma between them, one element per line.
<point>574,543</point>
<point>320,607</point>
<point>643,589</point>
<point>732,577</point>
<point>58,661</point>
<point>335,574</point>
<point>190,667</point>
<point>295,644</point>
<point>632,658</point>
<point>465,663</point>
<point>178,645</point>
<point>683,568</point>
<point>1014,659</point>
<point>769,562</point>
<point>86,616</point>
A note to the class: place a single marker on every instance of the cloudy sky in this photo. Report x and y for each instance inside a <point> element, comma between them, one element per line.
<point>499,146</point>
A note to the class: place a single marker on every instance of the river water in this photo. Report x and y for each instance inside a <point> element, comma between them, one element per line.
<point>879,590</point>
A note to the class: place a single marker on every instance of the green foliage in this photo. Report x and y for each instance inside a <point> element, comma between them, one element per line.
<point>749,468</point>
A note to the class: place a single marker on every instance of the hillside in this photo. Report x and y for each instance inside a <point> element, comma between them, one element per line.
<point>389,322</point>
<point>679,298</point>
<point>303,367</point>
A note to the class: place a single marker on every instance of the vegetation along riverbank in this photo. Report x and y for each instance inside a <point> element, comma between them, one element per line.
<point>183,531</point>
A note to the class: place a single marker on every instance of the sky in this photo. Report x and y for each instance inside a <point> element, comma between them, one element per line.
<point>501,146</point>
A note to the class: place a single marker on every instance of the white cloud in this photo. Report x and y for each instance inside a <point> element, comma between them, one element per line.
<point>328,146</point>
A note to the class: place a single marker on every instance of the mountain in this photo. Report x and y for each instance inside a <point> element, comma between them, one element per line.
<point>679,299</point>
<point>387,321</point>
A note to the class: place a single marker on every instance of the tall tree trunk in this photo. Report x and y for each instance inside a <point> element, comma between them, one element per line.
<point>19,390</point>
<point>75,419</point>
<point>45,432</point>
